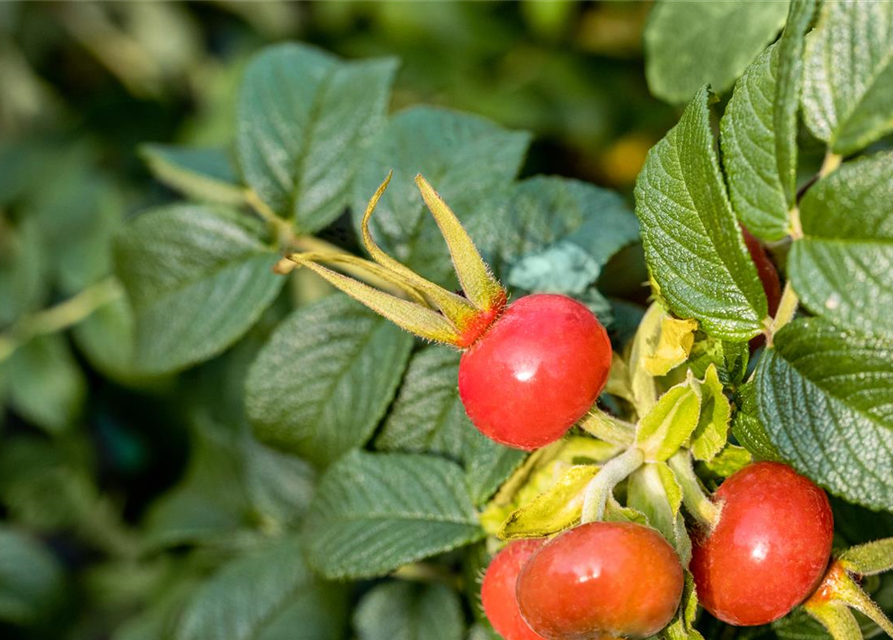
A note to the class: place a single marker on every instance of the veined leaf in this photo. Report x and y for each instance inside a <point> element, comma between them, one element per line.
<point>201,173</point>
<point>376,512</point>
<point>670,423</point>
<point>756,188</point>
<point>748,429</point>
<point>695,251</point>
<point>709,437</point>
<point>268,594</point>
<point>469,161</point>
<point>428,417</point>
<point>690,44</point>
<point>547,223</point>
<point>846,255</point>
<point>556,509</point>
<point>198,277</point>
<point>303,117</point>
<point>673,345</point>
<point>848,75</point>
<point>651,491</point>
<point>324,380</point>
<point>825,398</point>
<point>408,611</point>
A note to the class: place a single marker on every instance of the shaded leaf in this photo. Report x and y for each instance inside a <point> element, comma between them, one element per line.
<point>670,423</point>
<point>45,383</point>
<point>31,579</point>
<point>198,277</point>
<point>428,416</point>
<point>469,161</point>
<point>376,512</point>
<point>407,611</point>
<point>325,378</point>
<point>265,595</point>
<point>689,44</point>
<point>709,437</point>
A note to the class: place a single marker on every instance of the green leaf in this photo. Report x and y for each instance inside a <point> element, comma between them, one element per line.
<point>107,338</point>
<point>670,423</point>
<point>324,380</point>
<point>79,213</point>
<point>824,397</point>
<point>848,75</point>
<point>280,486</point>
<point>729,358</point>
<point>45,383</point>
<point>695,251</point>
<point>683,625</point>
<point>265,595</point>
<point>690,44</point>
<point>846,253</point>
<point>468,160</point>
<point>376,512</point>
<point>758,192</point>
<point>747,428</point>
<point>729,461</point>
<point>428,417</point>
<point>209,502</point>
<point>408,611</point>
<point>303,117</point>
<point>23,270</point>
<point>546,222</point>
<point>32,581</point>
<point>709,437</point>
<point>202,173</point>
<point>870,558</point>
<point>787,92</point>
<point>198,277</point>
<point>647,493</point>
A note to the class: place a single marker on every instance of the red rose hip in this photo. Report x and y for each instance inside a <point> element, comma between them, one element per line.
<point>536,371</point>
<point>599,580</point>
<point>498,590</point>
<point>770,548</point>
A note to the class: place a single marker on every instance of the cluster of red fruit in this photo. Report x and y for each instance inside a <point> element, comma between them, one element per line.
<point>767,553</point>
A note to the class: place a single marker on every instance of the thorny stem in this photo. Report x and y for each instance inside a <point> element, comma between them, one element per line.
<point>698,504</point>
<point>59,317</point>
<point>597,491</point>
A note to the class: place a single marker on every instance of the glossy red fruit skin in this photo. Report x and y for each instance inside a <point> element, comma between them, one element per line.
<point>770,548</point>
<point>535,372</point>
<point>498,590</point>
<point>600,580</point>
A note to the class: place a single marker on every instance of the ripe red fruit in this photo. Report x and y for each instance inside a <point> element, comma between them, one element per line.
<point>600,580</point>
<point>498,590</point>
<point>765,270</point>
<point>536,371</point>
<point>768,551</point>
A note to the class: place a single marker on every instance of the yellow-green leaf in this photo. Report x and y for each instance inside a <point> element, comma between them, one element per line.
<point>673,345</point>
<point>670,423</point>
<point>730,460</point>
<point>712,431</point>
<point>671,486</point>
<point>552,511</point>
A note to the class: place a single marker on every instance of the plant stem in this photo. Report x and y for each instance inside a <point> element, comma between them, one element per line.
<point>701,507</point>
<point>597,491</point>
<point>787,307</point>
<point>290,242</point>
<point>830,164</point>
<point>59,317</point>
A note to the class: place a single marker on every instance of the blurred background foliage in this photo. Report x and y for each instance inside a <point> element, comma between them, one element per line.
<point>110,479</point>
